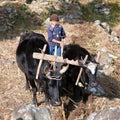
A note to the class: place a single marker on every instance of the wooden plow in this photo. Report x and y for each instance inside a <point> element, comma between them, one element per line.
<point>54,58</point>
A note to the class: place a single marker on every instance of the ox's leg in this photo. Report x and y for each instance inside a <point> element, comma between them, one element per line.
<point>34,89</point>
<point>40,86</point>
<point>47,97</point>
<point>77,93</point>
<point>84,93</point>
<point>27,86</point>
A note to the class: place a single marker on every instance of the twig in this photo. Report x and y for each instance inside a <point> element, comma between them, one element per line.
<point>63,111</point>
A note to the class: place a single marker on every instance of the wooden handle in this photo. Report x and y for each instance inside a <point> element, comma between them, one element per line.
<point>57,59</point>
<point>40,62</point>
<point>98,56</point>
<point>81,69</point>
<point>55,54</point>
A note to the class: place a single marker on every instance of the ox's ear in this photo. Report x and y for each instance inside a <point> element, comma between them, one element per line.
<point>45,69</point>
<point>64,69</point>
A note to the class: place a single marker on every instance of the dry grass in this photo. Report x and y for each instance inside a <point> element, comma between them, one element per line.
<point>12,80</point>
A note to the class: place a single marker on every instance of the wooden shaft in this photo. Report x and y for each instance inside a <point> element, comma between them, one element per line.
<point>40,62</point>
<point>98,56</point>
<point>63,111</point>
<point>58,59</point>
<point>79,75</point>
<point>61,51</point>
<point>55,54</point>
<point>81,69</point>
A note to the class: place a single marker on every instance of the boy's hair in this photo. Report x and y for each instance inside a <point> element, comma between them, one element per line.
<point>54,17</point>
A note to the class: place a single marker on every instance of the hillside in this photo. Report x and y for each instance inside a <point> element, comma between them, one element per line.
<point>18,17</point>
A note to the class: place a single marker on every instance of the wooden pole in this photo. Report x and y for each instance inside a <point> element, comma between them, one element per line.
<point>40,62</point>
<point>98,56</point>
<point>81,69</point>
<point>63,111</point>
<point>63,41</point>
<point>57,59</point>
<point>61,51</point>
<point>55,54</point>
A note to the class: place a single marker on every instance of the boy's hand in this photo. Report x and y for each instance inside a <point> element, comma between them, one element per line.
<point>61,43</point>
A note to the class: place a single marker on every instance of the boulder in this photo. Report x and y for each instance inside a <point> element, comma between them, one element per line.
<point>108,114</point>
<point>29,112</point>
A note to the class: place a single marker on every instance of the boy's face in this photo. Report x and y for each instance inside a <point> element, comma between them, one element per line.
<point>54,22</point>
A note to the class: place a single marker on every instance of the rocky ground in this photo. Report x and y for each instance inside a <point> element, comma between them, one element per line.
<point>88,35</point>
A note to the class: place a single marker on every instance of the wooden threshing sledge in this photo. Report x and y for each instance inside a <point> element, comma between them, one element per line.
<point>53,58</point>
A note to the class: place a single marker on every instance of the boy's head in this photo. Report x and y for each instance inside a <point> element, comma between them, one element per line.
<point>54,17</point>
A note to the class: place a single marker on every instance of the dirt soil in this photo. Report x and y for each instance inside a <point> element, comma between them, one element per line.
<point>12,80</point>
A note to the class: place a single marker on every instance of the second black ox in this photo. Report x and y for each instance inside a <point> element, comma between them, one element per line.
<point>88,77</point>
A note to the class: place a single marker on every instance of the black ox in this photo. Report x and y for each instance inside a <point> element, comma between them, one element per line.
<point>34,42</point>
<point>88,77</point>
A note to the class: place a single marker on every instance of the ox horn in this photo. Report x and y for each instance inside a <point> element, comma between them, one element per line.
<point>64,69</point>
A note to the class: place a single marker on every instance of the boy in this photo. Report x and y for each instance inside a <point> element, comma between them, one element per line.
<point>55,34</point>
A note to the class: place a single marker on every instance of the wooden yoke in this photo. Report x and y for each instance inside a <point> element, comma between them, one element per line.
<point>80,72</point>
<point>41,59</point>
<point>57,59</point>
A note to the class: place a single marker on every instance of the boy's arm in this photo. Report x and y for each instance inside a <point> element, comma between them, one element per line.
<point>50,36</point>
<point>59,42</point>
<point>63,34</point>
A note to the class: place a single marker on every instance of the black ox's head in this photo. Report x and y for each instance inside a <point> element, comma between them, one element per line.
<point>88,77</point>
<point>76,52</point>
<point>91,69</point>
<point>52,83</point>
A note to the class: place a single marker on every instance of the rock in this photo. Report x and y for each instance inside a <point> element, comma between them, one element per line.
<point>8,62</point>
<point>51,9</point>
<point>97,22</point>
<point>72,18</point>
<point>106,63</point>
<point>47,22</point>
<point>109,114</point>
<point>97,6</point>
<point>112,56</point>
<point>102,10</point>
<point>104,50</point>
<point>106,27</point>
<point>114,37</point>
<point>113,33</point>
<point>108,70</point>
<point>105,11</point>
<point>117,40</point>
<point>34,1</point>
<point>96,90</point>
<point>28,112</point>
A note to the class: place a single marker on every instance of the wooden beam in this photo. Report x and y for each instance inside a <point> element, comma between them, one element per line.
<point>57,59</point>
<point>40,62</point>
<point>98,56</point>
<point>80,72</point>
<point>55,54</point>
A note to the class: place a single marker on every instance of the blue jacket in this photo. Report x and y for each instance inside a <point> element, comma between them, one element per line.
<point>55,32</point>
